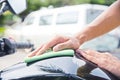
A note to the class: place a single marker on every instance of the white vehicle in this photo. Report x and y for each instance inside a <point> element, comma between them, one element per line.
<point>40,26</point>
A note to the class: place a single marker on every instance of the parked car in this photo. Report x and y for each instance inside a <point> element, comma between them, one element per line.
<point>40,26</point>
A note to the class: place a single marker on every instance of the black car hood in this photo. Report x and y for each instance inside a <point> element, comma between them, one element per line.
<point>60,68</point>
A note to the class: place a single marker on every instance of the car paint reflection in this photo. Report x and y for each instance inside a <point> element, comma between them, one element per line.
<point>69,67</point>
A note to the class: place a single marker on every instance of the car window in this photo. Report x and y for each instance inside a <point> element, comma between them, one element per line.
<point>46,20</point>
<point>67,17</point>
<point>29,20</point>
<point>92,14</point>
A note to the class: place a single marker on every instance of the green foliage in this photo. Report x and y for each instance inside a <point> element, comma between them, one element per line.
<point>103,2</point>
<point>1,20</point>
<point>33,5</point>
<point>36,4</point>
<point>109,2</point>
<point>2,29</point>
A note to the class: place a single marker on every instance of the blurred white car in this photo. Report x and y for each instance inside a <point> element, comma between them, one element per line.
<point>40,26</point>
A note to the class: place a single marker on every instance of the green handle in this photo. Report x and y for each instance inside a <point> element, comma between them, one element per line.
<point>68,52</point>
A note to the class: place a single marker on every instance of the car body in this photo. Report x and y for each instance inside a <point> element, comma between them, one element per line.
<point>41,25</point>
<point>62,65</point>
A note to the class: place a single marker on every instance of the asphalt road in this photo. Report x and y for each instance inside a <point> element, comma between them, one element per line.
<point>12,59</point>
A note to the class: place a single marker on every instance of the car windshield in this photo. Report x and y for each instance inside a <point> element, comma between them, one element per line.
<point>46,20</point>
<point>29,20</point>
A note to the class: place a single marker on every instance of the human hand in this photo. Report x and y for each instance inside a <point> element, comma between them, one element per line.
<point>57,43</point>
<point>103,60</point>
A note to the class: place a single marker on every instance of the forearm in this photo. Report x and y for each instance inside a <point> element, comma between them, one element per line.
<point>106,22</point>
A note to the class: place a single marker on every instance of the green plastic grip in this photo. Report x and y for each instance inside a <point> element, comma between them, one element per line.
<point>51,54</point>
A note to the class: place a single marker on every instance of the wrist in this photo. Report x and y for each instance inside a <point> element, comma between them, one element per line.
<point>81,38</point>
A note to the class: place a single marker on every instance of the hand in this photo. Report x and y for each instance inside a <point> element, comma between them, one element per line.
<point>57,43</point>
<point>103,60</point>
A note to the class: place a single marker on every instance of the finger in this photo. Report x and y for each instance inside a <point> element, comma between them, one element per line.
<point>33,53</point>
<point>68,44</point>
<point>51,43</point>
<point>61,46</point>
<point>42,50</point>
<point>93,53</point>
<point>89,57</point>
<point>48,45</point>
<point>101,59</point>
<point>56,40</point>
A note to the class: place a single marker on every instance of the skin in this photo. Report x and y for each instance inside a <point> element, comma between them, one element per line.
<point>103,60</point>
<point>107,21</point>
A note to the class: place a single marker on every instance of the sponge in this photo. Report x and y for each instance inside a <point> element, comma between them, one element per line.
<point>51,54</point>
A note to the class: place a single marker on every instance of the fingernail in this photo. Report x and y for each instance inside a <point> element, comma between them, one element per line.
<point>29,55</point>
<point>55,49</point>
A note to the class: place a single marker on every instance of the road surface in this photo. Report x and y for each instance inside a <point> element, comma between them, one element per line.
<point>12,59</point>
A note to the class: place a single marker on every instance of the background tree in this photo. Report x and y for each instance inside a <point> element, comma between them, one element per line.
<point>33,5</point>
<point>37,4</point>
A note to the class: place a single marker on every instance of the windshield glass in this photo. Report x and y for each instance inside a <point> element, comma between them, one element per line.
<point>29,20</point>
<point>46,20</point>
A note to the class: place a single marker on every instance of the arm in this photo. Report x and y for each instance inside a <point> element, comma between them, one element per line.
<point>104,23</point>
<point>107,21</point>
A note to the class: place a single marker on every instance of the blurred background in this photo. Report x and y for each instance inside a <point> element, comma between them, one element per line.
<point>8,19</point>
<point>44,19</point>
<point>41,18</point>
